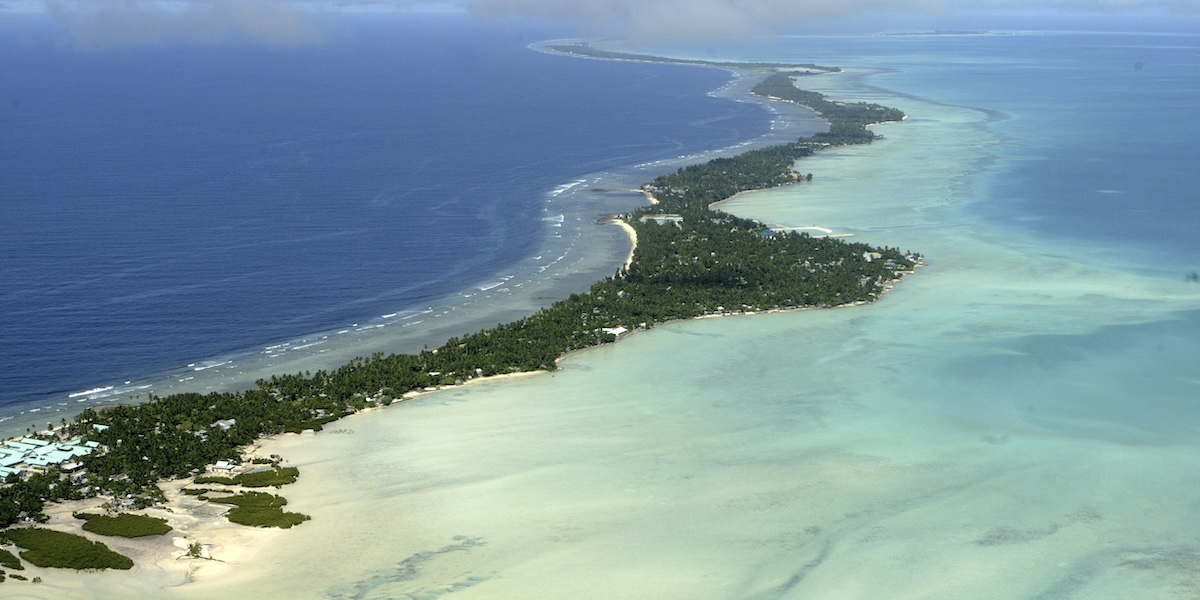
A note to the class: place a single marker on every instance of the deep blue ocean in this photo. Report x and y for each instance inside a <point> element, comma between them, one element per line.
<point>162,205</point>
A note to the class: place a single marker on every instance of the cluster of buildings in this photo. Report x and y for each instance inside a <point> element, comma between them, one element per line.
<point>18,456</point>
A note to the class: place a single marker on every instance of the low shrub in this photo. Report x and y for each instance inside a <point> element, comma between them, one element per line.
<point>260,509</point>
<point>48,548</point>
<point>269,477</point>
<point>124,525</point>
<point>8,560</point>
<point>273,477</point>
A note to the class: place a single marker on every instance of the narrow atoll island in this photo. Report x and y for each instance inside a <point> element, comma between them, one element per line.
<point>585,49</point>
<point>688,261</point>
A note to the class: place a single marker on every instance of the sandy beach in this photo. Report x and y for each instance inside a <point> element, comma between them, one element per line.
<point>632,233</point>
<point>227,549</point>
<point>160,562</point>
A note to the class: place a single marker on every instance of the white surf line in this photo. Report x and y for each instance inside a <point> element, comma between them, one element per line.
<point>90,392</point>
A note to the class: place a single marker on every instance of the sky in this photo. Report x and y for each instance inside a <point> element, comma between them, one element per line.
<point>101,23</point>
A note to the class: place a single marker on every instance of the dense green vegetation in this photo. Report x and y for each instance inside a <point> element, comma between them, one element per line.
<point>839,114</point>
<point>260,509</point>
<point>48,548</point>
<point>124,525</point>
<point>8,560</point>
<point>690,261</point>
<point>26,497</point>
<point>585,49</point>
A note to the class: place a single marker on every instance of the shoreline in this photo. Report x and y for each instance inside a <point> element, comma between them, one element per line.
<point>237,545</point>
<point>214,527</point>
<point>592,258</point>
<point>632,233</point>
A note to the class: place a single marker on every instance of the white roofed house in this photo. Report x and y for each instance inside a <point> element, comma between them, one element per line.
<point>71,467</point>
<point>225,424</point>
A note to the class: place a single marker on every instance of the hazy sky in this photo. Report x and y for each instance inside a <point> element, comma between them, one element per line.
<point>97,23</point>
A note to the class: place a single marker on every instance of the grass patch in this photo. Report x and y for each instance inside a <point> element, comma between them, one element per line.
<point>195,491</point>
<point>124,525</point>
<point>47,548</point>
<point>260,509</point>
<point>8,560</point>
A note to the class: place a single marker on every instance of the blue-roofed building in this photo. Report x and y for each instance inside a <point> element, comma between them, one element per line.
<point>39,453</point>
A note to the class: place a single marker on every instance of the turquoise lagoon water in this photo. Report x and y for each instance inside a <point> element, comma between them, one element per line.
<point>1019,420</point>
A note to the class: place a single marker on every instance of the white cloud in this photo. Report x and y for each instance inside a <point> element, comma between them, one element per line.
<point>105,23</point>
<point>691,18</point>
<point>733,18</point>
<point>101,23</point>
